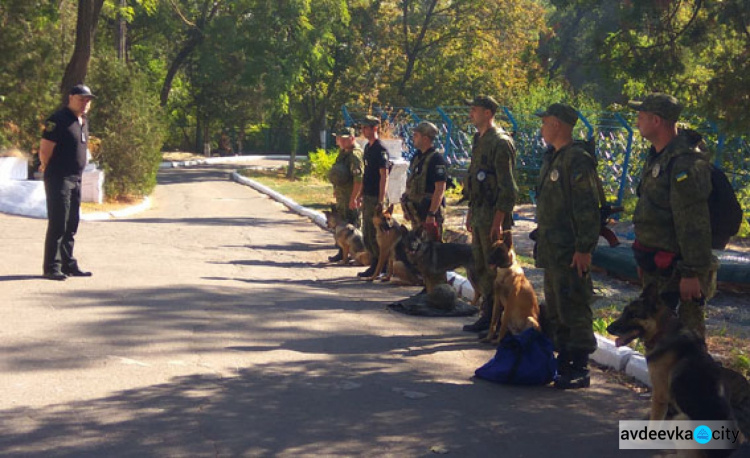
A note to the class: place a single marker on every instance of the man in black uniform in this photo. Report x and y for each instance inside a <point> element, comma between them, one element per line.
<point>374,183</point>
<point>63,154</point>
<point>425,187</point>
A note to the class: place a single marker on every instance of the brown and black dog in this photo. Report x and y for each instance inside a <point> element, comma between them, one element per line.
<point>387,233</point>
<point>348,238</point>
<point>683,375</point>
<point>515,307</point>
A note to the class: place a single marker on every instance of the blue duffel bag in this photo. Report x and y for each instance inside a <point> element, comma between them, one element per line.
<point>523,359</point>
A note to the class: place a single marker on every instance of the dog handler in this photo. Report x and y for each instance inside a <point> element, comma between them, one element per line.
<point>346,177</point>
<point>63,154</point>
<point>568,218</point>
<point>671,220</point>
<point>492,192</point>
<point>425,187</point>
<point>374,184</point>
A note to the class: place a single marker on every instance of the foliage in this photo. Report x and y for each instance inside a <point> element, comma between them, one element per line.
<point>131,127</point>
<point>321,162</point>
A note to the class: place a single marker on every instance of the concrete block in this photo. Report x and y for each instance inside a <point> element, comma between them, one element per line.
<point>638,368</point>
<point>14,168</point>
<point>397,180</point>
<point>607,354</point>
<point>92,186</point>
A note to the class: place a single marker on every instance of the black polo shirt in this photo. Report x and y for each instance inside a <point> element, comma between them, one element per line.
<point>375,158</point>
<point>70,137</point>
<point>437,168</point>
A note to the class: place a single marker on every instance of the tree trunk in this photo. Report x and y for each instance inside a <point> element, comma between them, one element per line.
<point>122,29</point>
<point>78,66</point>
<point>188,48</point>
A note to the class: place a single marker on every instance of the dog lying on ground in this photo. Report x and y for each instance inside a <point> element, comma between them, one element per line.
<point>434,259</point>
<point>348,238</point>
<point>683,374</point>
<point>515,307</point>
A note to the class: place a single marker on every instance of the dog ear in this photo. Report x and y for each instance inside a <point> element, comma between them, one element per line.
<point>379,209</point>
<point>508,239</point>
<point>650,295</point>
<point>390,209</point>
<point>333,208</point>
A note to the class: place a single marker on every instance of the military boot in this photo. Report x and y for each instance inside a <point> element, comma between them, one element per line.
<point>485,314</point>
<point>337,257</point>
<point>577,375</point>
<point>370,270</point>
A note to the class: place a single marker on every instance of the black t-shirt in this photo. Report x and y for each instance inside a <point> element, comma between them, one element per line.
<point>375,158</point>
<point>70,137</point>
<point>437,169</point>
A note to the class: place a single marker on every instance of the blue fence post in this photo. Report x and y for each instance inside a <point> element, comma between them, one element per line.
<point>626,161</point>
<point>588,125</point>
<point>414,116</point>
<point>348,120</point>
<point>511,118</point>
<point>448,145</point>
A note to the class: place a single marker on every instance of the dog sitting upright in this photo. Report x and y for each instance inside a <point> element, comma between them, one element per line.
<point>515,307</point>
<point>683,374</point>
<point>387,234</point>
<point>348,238</point>
<point>434,259</point>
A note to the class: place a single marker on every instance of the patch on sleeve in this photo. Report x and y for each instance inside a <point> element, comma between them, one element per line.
<point>440,171</point>
<point>680,177</point>
<point>357,171</point>
<point>385,156</point>
<point>49,126</point>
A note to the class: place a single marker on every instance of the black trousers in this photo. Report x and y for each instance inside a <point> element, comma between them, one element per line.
<point>63,206</point>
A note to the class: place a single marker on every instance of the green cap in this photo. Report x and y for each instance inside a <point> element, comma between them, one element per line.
<point>663,105</point>
<point>345,132</point>
<point>561,111</point>
<point>427,129</point>
<point>370,121</point>
<point>484,101</point>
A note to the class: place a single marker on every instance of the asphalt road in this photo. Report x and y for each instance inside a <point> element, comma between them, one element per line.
<point>211,327</point>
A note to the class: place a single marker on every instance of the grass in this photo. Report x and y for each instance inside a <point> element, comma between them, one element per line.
<point>306,190</point>
<point>107,206</point>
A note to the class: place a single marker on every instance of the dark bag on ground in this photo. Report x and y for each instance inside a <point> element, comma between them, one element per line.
<point>523,359</point>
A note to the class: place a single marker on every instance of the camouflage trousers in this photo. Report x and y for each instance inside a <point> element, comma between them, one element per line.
<point>568,299</point>
<point>481,246</point>
<point>342,208</point>
<point>691,313</point>
<point>368,229</point>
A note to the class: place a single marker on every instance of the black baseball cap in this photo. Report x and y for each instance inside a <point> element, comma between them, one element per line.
<point>484,101</point>
<point>660,104</point>
<point>81,89</point>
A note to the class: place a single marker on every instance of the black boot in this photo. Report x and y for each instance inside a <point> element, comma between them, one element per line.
<point>337,257</point>
<point>485,314</point>
<point>370,270</point>
<point>577,376</point>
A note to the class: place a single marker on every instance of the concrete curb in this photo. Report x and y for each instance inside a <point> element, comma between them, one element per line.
<point>606,354</point>
<point>125,212</point>
<point>218,160</point>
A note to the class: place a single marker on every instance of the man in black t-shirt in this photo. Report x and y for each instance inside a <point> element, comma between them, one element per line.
<point>63,154</point>
<point>374,183</point>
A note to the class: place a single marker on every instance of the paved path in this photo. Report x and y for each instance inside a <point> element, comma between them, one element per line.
<point>211,328</point>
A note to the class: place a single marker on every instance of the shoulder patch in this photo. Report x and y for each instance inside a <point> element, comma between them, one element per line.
<point>49,126</point>
<point>440,171</point>
<point>680,177</point>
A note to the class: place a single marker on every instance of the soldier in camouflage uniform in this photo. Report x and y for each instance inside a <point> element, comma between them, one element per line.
<point>491,189</point>
<point>671,220</point>
<point>425,187</point>
<point>346,177</point>
<point>568,219</point>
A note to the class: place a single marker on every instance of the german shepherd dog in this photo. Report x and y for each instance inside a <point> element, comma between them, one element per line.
<point>434,259</point>
<point>515,307</point>
<point>348,238</point>
<point>683,374</point>
<point>387,233</point>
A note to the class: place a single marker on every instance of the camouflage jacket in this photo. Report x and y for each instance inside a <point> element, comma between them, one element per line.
<point>490,183</point>
<point>672,211</point>
<point>567,206</point>
<point>346,169</point>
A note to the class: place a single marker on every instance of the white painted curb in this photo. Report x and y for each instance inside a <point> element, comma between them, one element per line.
<point>222,160</point>
<point>606,354</point>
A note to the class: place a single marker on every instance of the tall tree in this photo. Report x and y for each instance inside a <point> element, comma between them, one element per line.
<point>78,66</point>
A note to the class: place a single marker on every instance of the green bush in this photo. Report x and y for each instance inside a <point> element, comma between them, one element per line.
<point>131,125</point>
<point>321,162</point>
